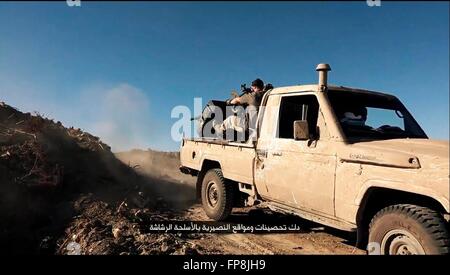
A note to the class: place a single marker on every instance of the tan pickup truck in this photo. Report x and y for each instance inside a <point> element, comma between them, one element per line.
<point>347,158</point>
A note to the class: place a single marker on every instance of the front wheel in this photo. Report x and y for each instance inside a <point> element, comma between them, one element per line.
<point>217,195</point>
<point>406,229</point>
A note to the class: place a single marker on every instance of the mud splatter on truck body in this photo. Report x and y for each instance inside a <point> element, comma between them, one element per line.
<point>324,154</point>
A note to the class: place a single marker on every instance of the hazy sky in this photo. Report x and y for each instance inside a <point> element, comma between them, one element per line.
<point>117,69</point>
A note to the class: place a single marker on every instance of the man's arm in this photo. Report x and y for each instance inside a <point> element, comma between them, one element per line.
<point>236,100</point>
<point>244,99</point>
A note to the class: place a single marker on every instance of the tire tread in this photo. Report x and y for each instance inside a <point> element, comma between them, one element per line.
<point>431,221</point>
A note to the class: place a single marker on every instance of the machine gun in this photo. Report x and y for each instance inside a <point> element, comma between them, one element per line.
<point>221,104</point>
<point>245,90</point>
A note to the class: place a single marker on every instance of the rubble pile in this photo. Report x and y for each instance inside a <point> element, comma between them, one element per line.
<point>61,186</point>
<point>103,230</point>
<point>28,143</point>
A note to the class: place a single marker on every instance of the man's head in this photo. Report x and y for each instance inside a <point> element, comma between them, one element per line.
<point>355,116</point>
<point>257,85</point>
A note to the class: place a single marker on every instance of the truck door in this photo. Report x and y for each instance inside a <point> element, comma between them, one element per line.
<point>299,173</point>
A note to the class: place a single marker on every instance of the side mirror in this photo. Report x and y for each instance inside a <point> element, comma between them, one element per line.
<point>301,130</point>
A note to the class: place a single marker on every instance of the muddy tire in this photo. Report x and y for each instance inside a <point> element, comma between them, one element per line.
<point>217,195</point>
<point>408,229</point>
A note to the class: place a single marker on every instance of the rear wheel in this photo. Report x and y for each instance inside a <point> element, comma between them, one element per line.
<point>406,229</point>
<point>217,195</point>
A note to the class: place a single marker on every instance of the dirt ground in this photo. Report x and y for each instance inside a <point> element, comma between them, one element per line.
<point>314,238</point>
<point>62,191</point>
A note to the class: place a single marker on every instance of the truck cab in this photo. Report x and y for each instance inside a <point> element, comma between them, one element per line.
<point>348,158</point>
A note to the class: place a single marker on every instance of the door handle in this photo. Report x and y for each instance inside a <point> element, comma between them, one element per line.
<point>277,153</point>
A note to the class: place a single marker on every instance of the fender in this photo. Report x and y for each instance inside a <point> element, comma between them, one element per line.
<point>207,157</point>
<point>401,186</point>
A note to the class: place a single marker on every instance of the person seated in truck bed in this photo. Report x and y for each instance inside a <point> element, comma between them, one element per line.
<point>243,121</point>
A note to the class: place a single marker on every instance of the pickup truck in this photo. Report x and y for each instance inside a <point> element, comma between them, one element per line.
<point>347,158</point>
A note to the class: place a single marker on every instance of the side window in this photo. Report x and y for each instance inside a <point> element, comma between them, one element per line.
<point>292,108</point>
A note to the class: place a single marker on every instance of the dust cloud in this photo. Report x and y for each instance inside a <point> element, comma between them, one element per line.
<point>121,116</point>
<point>163,167</point>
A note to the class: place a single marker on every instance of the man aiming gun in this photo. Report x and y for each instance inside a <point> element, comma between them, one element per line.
<point>252,100</point>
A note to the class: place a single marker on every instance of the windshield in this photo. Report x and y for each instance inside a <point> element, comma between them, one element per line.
<point>371,116</point>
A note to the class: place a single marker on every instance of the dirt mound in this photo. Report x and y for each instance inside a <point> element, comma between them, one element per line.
<point>62,185</point>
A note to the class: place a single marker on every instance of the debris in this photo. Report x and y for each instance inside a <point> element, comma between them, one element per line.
<point>62,191</point>
<point>116,232</point>
<point>123,204</point>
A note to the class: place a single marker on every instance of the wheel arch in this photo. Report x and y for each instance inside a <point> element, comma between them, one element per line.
<point>376,198</point>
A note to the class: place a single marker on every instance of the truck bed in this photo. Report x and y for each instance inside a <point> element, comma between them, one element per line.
<point>235,159</point>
